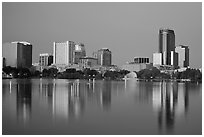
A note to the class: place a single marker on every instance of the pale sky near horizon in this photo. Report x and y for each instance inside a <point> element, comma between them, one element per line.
<point>127,29</point>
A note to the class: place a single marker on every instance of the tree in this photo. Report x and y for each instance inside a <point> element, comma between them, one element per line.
<point>45,73</point>
<point>7,69</point>
<point>144,74</point>
<point>24,73</point>
<point>71,70</point>
<point>52,72</point>
<point>11,70</point>
<point>111,75</point>
<point>36,73</point>
<point>124,72</point>
<point>155,72</point>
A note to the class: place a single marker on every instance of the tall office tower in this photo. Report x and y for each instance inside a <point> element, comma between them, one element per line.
<point>50,60</point>
<point>166,46</point>
<point>17,54</point>
<point>79,52</point>
<point>63,53</point>
<point>183,55</point>
<point>3,62</point>
<point>157,59</point>
<point>104,57</point>
<point>45,59</point>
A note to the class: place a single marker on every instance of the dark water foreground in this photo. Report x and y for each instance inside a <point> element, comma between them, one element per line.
<point>104,107</point>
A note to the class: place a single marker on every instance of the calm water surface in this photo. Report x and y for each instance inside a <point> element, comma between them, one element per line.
<point>50,106</point>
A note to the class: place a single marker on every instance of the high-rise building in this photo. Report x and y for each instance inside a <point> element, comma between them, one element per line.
<point>17,54</point>
<point>79,52</point>
<point>157,59</point>
<point>183,55</point>
<point>167,46</point>
<point>104,57</point>
<point>63,53</point>
<point>45,59</point>
<point>50,60</point>
<point>3,62</point>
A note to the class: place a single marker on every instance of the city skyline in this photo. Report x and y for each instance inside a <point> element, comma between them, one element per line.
<point>102,30</point>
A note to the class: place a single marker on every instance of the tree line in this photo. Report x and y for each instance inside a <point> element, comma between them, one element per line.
<point>154,73</point>
<point>72,73</point>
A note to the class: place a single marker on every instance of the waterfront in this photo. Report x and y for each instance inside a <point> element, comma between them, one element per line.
<point>49,106</point>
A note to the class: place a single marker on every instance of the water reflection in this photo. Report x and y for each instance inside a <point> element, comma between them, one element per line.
<point>76,99</point>
<point>62,102</point>
<point>24,99</point>
<point>70,100</point>
<point>106,95</point>
<point>169,101</point>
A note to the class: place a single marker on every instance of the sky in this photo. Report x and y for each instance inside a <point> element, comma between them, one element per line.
<point>128,29</point>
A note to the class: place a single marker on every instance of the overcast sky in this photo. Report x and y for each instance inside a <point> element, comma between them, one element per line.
<point>127,29</point>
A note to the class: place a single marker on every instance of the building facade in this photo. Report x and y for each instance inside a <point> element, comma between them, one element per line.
<point>141,60</point>
<point>3,62</point>
<point>17,54</point>
<point>79,52</point>
<point>157,59</point>
<point>167,46</point>
<point>183,55</point>
<point>88,62</point>
<point>50,60</point>
<point>136,66</point>
<point>63,53</point>
<point>45,59</point>
<point>104,57</point>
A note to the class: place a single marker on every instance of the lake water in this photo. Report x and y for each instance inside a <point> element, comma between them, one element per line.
<point>48,106</point>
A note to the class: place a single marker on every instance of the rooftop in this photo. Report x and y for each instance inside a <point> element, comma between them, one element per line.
<point>22,42</point>
<point>104,49</point>
<point>88,58</point>
<point>141,57</point>
<point>44,54</point>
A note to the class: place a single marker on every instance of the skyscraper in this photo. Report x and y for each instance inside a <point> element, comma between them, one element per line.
<point>183,55</point>
<point>63,53</point>
<point>167,46</point>
<point>104,57</point>
<point>45,59</point>
<point>17,54</point>
<point>157,59</point>
<point>79,52</point>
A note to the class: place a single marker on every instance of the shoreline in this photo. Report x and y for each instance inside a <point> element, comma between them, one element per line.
<point>120,79</point>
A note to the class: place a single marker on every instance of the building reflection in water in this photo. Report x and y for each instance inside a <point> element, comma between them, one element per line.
<point>105,95</point>
<point>60,102</point>
<point>170,100</point>
<point>145,93</point>
<point>64,100</point>
<point>24,101</point>
<point>76,99</point>
<point>46,89</point>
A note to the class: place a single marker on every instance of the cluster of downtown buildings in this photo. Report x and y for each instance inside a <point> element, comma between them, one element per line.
<point>168,57</point>
<point>65,55</point>
<point>71,55</point>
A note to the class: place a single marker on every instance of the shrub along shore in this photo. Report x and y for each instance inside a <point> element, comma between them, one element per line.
<point>152,74</point>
